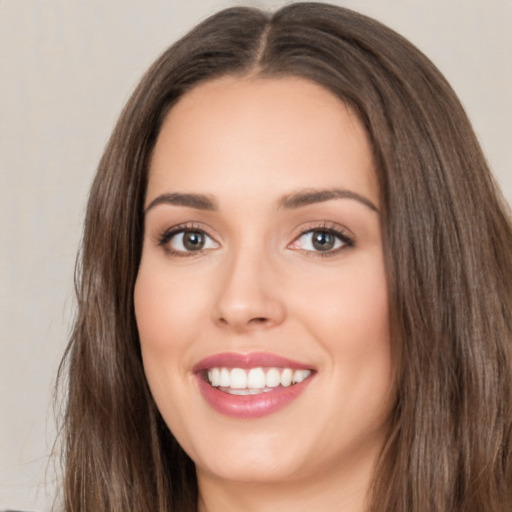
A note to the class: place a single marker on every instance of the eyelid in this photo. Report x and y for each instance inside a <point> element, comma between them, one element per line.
<point>341,232</point>
<point>164,237</point>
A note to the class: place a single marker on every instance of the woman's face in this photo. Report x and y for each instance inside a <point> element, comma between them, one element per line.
<point>261,299</point>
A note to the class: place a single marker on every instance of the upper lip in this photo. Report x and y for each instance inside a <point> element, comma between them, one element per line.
<point>247,361</point>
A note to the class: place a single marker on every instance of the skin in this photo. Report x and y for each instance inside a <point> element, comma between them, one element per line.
<point>259,285</point>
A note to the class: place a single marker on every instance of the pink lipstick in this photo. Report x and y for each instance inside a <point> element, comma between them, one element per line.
<point>251,385</point>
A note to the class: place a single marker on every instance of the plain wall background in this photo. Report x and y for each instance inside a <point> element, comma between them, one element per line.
<point>66,69</point>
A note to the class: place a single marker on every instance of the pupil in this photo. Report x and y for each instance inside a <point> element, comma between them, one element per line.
<point>323,241</point>
<point>193,240</point>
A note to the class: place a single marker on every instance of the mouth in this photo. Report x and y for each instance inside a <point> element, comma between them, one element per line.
<point>251,385</point>
<point>243,382</point>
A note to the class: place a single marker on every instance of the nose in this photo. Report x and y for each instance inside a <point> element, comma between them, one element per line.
<point>250,296</point>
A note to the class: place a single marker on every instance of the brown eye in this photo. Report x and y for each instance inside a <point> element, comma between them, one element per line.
<point>323,240</point>
<point>188,240</point>
<point>193,240</point>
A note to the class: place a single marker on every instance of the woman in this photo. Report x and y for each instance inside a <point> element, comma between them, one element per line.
<point>295,283</point>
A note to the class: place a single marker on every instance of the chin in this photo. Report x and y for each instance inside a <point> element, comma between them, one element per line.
<point>255,466</point>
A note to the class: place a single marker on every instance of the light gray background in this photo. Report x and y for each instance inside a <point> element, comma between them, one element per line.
<point>66,68</point>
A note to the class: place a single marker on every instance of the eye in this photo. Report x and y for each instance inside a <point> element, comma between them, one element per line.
<point>322,240</point>
<point>187,240</point>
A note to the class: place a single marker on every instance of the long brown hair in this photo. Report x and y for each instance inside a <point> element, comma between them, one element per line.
<point>447,244</point>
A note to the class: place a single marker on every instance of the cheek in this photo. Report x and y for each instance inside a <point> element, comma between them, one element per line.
<point>351,303</point>
<point>163,309</point>
<point>166,324</point>
<point>349,316</point>
<point>357,337</point>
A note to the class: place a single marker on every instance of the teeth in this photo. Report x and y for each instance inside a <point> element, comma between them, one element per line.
<point>239,381</point>
<point>224,378</point>
<point>300,375</point>
<point>238,391</point>
<point>256,378</point>
<point>214,377</point>
<point>273,378</point>
<point>286,377</point>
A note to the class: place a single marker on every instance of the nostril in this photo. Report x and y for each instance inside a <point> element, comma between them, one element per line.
<point>240,323</point>
<point>259,323</point>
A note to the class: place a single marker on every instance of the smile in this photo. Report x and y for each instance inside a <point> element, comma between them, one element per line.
<point>240,381</point>
<point>251,385</point>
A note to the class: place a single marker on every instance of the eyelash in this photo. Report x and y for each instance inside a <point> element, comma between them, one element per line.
<point>166,237</point>
<point>335,230</point>
<point>331,229</point>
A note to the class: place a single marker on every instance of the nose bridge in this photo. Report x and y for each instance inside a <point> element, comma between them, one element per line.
<point>248,293</point>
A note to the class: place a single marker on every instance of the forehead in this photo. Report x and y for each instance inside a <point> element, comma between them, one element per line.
<point>246,131</point>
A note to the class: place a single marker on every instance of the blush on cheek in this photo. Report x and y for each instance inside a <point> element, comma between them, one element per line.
<point>168,319</point>
<point>150,316</point>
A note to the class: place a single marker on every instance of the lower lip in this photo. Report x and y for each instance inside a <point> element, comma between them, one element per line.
<point>251,406</point>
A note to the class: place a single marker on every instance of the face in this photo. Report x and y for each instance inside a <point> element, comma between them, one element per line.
<point>261,298</point>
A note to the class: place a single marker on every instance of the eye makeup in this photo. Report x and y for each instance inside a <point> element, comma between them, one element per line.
<point>316,239</point>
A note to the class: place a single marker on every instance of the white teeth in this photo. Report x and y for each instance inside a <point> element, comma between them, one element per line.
<point>273,378</point>
<point>233,391</point>
<point>300,375</point>
<point>214,377</point>
<point>239,381</point>
<point>224,378</point>
<point>286,377</point>
<point>256,378</point>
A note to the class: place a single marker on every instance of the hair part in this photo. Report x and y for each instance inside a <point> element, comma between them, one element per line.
<point>447,242</point>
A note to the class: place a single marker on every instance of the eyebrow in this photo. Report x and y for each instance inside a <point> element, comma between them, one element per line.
<point>288,202</point>
<point>312,196</point>
<point>197,201</point>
